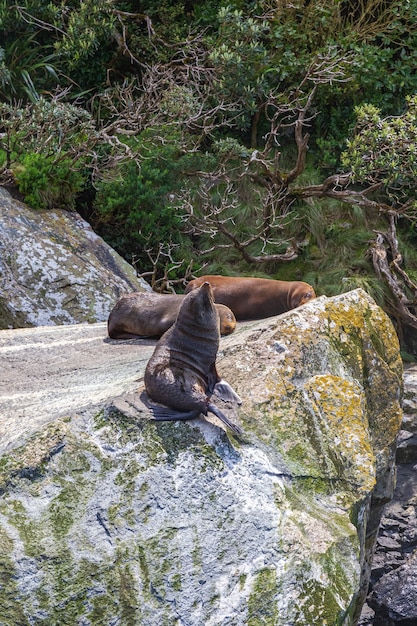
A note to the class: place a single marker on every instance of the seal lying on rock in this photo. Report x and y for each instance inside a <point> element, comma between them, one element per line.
<point>255,298</point>
<point>181,374</point>
<point>150,314</point>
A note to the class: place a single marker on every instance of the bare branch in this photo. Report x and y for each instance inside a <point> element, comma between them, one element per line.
<point>163,260</point>
<point>394,276</point>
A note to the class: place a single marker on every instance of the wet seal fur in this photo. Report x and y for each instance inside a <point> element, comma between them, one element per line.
<point>255,298</point>
<point>181,374</point>
<point>150,314</point>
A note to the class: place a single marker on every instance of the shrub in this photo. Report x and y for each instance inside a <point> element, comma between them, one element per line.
<point>47,184</point>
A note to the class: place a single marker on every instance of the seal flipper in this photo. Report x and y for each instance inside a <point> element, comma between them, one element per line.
<point>212,408</point>
<point>165,414</point>
<point>224,391</point>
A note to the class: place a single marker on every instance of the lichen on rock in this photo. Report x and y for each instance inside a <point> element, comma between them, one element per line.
<point>125,521</point>
<point>55,270</point>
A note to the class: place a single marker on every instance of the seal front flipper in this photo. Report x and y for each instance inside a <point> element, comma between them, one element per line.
<point>212,408</point>
<point>225,392</point>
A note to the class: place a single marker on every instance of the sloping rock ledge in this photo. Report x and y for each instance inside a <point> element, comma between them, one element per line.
<point>111,519</point>
<point>54,269</point>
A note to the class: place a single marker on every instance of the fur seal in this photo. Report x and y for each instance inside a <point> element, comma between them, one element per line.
<point>255,298</point>
<point>181,374</point>
<point>150,314</point>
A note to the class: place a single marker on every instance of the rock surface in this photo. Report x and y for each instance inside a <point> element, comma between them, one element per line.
<point>54,371</point>
<point>392,599</point>
<point>55,270</point>
<point>111,519</point>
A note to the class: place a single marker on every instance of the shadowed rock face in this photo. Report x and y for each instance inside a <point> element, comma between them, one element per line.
<point>113,517</point>
<point>393,583</point>
<point>55,270</point>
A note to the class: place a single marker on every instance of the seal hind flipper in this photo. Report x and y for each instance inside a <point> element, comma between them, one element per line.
<point>212,408</point>
<point>165,414</point>
<point>225,392</point>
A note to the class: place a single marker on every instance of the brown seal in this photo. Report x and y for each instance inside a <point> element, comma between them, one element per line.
<point>150,314</point>
<point>255,298</point>
<point>181,374</point>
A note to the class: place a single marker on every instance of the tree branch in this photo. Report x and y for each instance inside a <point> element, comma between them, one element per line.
<point>404,308</point>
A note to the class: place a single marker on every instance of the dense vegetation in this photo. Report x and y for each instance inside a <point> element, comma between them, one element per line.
<point>245,137</point>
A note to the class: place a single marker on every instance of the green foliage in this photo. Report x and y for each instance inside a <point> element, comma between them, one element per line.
<point>261,49</point>
<point>179,103</point>
<point>385,149</point>
<point>26,69</point>
<point>229,149</point>
<point>298,33</point>
<point>4,72</point>
<point>49,46</point>
<point>154,30</point>
<point>87,46</point>
<point>240,59</point>
<point>89,24</point>
<point>48,148</point>
<point>216,65</point>
<point>137,211</point>
<point>205,13</point>
<point>46,183</point>
<point>382,71</point>
<point>46,126</point>
<point>334,252</point>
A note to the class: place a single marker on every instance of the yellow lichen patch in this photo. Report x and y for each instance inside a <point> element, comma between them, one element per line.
<point>368,322</point>
<point>279,385</point>
<point>384,391</point>
<point>339,413</point>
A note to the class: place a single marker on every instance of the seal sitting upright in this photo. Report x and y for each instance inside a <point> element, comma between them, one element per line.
<point>181,374</point>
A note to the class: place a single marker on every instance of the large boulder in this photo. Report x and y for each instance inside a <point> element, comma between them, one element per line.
<point>115,519</point>
<point>55,270</point>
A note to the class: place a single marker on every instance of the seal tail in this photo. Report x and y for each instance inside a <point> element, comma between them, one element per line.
<point>213,409</point>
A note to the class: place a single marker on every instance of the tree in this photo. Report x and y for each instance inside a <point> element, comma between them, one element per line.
<point>380,167</point>
<point>223,113</point>
<point>383,153</point>
<point>255,226</point>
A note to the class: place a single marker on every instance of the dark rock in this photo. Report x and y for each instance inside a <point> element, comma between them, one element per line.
<point>388,543</point>
<point>409,422</point>
<point>393,571</point>
<point>406,447</point>
<point>395,594</point>
<point>367,616</point>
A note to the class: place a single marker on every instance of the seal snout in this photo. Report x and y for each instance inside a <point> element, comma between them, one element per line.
<point>206,289</point>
